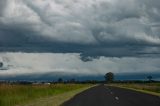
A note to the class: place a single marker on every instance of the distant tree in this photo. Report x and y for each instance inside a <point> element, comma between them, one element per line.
<point>109,77</point>
<point>60,80</point>
<point>149,77</point>
<point>72,80</point>
<point>1,64</point>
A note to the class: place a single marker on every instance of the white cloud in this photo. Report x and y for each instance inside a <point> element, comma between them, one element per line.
<point>36,63</point>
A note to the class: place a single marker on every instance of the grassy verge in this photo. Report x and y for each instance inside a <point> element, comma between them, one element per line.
<point>56,100</point>
<point>13,95</point>
<point>150,88</point>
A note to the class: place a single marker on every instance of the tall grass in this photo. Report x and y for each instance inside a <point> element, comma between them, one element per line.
<point>11,95</point>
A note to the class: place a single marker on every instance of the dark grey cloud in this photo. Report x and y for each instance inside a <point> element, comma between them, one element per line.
<point>94,28</point>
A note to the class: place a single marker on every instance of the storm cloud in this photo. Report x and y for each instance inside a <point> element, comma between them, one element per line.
<point>93,28</point>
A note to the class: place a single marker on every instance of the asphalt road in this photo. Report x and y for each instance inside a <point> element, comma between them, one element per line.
<point>111,96</point>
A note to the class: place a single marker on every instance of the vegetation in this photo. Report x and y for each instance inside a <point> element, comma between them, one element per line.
<point>149,78</point>
<point>109,77</point>
<point>1,64</point>
<point>11,95</point>
<point>56,100</point>
<point>60,80</point>
<point>151,88</point>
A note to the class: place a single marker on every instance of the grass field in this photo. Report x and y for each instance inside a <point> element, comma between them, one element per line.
<point>151,88</point>
<point>12,95</point>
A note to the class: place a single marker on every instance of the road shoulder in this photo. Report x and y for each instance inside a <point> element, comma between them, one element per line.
<point>138,90</point>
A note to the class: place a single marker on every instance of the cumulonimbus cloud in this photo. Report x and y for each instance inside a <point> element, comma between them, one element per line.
<point>93,28</point>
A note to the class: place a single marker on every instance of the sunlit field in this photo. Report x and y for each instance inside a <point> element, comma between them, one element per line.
<point>12,95</point>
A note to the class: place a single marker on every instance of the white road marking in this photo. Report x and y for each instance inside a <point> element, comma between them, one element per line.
<point>116,98</point>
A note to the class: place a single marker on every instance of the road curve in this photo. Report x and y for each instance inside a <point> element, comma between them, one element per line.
<point>112,96</point>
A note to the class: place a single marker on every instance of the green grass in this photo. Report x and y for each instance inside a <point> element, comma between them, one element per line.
<point>57,100</point>
<point>12,95</point>
<point>151,88</point>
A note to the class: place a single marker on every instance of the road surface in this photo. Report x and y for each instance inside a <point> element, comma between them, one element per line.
<point>112,96</point>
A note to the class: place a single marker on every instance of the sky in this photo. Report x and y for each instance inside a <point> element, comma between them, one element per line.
<point>87,37</point>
